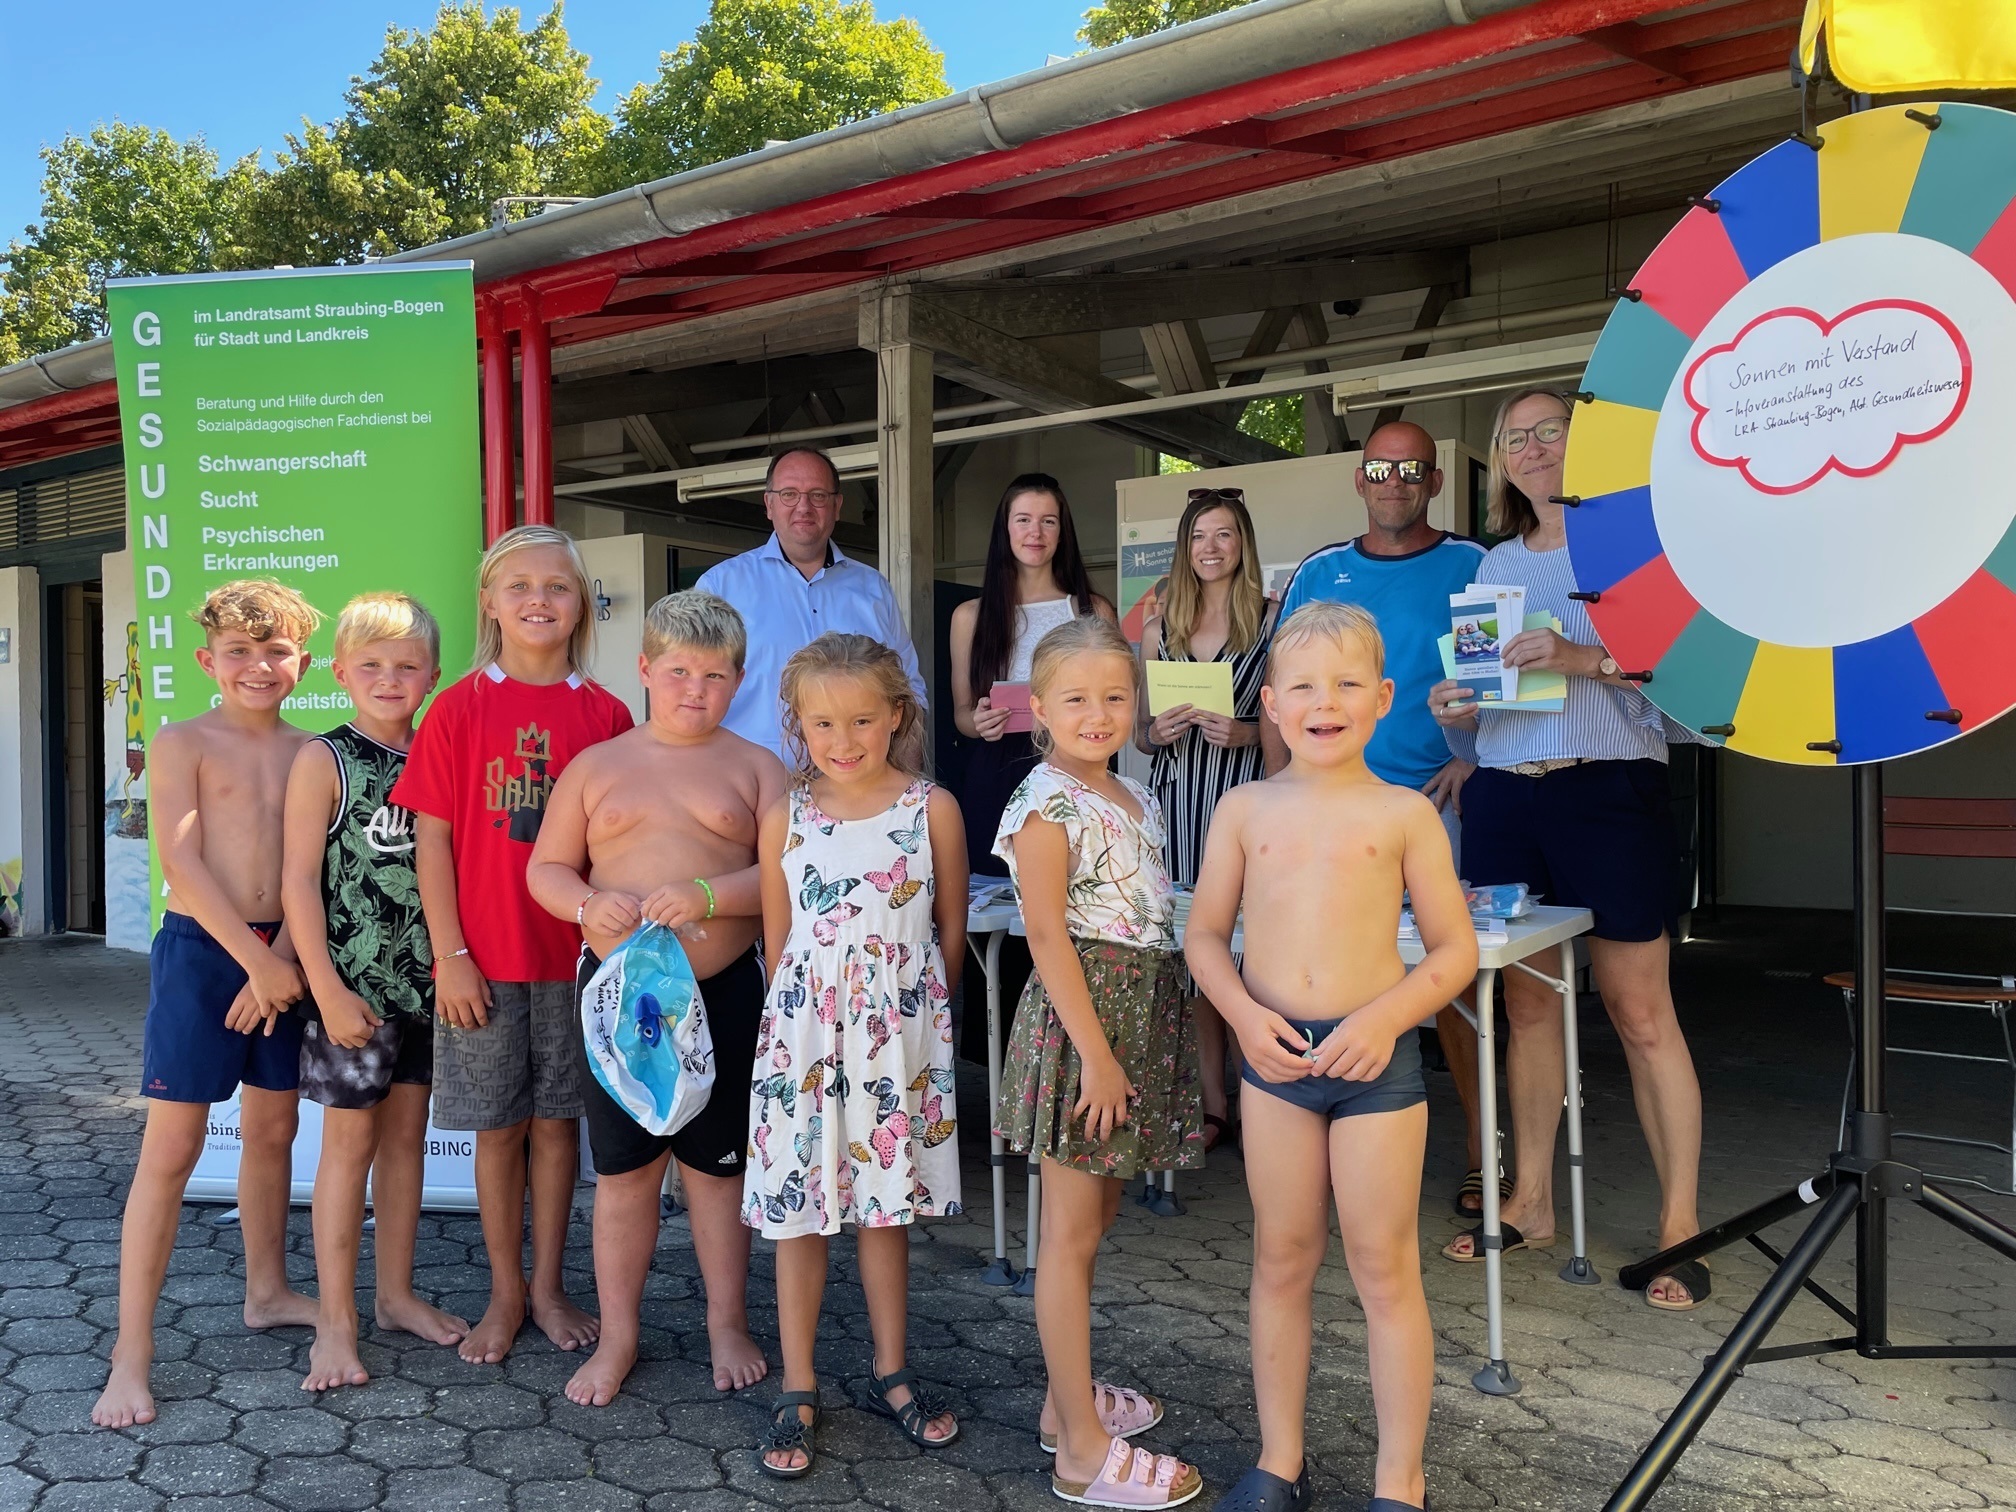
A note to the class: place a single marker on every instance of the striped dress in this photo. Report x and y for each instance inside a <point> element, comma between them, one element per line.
<point>1191,775</point>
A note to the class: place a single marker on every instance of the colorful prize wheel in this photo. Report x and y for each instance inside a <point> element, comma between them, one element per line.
<point>1798,470</point>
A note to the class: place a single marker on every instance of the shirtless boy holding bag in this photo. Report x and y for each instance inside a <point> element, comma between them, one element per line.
<point>660,824</point>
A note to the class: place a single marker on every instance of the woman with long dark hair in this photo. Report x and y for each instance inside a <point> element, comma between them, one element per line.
<point>1035,581</point>
<point>1216,610</point>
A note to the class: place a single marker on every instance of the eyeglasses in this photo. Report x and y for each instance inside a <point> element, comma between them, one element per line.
<point>1410,469</point>
<point>1223,495</point>
<point>818,498</point>
<point>1547,432</point>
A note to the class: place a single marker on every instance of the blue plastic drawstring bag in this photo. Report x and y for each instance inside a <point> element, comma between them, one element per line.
<point>646,1031</point>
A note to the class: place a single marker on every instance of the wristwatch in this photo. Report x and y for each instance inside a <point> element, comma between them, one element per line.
<point>1606,667</point>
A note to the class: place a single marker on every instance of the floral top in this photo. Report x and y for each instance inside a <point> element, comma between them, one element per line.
<point>1119,888</point>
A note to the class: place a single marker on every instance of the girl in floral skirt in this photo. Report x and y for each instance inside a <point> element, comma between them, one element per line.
<point>1101,1078</point>
<point>850,1116</point>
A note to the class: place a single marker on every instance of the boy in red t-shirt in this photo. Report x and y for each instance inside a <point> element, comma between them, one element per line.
<point>506,1051</point>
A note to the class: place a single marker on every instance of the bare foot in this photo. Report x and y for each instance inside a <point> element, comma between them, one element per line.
<point>333,1361</point>
<point>288,1310</point>
<point>495,1332</point>
<point>126,1400</point>
<point>738,1361</point>
<point>564,1323</point>
<point>409,1314</point>
<point>602,1374</point>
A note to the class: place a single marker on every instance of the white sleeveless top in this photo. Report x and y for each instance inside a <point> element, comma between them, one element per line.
<point>1032,623</point>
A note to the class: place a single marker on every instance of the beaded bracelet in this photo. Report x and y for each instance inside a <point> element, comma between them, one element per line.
<point>701,883</point>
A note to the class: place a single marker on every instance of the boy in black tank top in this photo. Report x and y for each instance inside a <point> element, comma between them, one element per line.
<point>367,1044</point>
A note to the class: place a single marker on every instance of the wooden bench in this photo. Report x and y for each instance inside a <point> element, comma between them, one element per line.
<point>1972,829</point>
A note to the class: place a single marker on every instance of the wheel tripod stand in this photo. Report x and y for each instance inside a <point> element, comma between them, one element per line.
<point>1859,1184</point>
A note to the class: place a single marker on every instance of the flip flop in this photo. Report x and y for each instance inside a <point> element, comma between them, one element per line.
<point>1473,1186</point>
<point>1513,1240</point>
<point>1226,1130</point>
<point>1122,1413</point>
<point>1691,1274</point>
<point>1132,1478</point>
<point>1263,1491</point>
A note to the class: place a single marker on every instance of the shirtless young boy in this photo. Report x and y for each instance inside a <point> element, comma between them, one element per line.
<point>660,824</point>
<point>221,974</point>
<point>1326,1014</point>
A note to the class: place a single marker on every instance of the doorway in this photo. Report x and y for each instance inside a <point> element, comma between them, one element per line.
<point>74,728</point>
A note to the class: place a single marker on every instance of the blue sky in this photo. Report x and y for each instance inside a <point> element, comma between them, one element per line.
<point>243,72</point>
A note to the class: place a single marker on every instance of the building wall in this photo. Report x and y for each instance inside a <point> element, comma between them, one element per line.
<point>24,904</point>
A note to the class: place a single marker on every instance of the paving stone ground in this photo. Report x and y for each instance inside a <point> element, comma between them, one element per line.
<point>1599,1369</point>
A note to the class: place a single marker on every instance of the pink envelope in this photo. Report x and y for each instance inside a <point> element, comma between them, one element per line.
<point>1015,697</point>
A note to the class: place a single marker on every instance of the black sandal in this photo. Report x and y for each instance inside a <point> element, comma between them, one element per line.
<point>1263,1491</point>
<point>790,1431</point>
<point>1473,1187</point>
<point>915,1415</point>
<point>1510,1239</point>
<point>1691,1274</point>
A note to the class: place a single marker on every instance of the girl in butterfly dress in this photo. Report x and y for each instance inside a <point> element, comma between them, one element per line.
<point>1101,1078</point>
<point>851,1113</point>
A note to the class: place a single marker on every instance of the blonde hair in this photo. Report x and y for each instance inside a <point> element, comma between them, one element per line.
<point>698,620</point>
<point>866,660</point>
<point>490,635</point>
<point>1335,623</point>
<point>1246,610</point>
<point>260,608</point>
<point>386,616</point>
<point>1089,635</point>
<point>1507,511</point>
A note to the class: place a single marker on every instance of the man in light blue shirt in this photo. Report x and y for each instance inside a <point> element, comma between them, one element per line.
<point>797,586</point>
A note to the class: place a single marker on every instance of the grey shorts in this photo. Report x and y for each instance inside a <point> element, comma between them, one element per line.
<point>523,1064</point>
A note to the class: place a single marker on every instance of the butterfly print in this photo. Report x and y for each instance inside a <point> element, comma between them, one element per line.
<point>817,895</point>
<point>878,1034</point>
<point>913,837</point>
<point>829,1005</point>
<point>886,1141</point>
<point>887,1098</point>
<point>789,999</point>
<point>827,930</point>
<point>937,1128</point>
<point>814,1085</point>
<point>804,1144</point>
<point>783,1088</point>
<point>792,841</point>
<point>789,1199</point>
<point>896,882</point>
<point>760,1136</point>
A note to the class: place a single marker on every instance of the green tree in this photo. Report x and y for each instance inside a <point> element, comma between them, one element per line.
<point>474,111</point>
<point>319,207</point>
<point>120,201</point>
<point>1121,20</point>
<point>761,70</point>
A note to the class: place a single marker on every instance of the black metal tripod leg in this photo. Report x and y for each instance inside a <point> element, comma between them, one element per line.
<point>1657,1462</point>
<point>1641,1275</point>
<point>1970,1221</point>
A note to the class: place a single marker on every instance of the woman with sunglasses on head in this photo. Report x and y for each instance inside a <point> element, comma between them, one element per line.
<point>1216,610</point>
<point>1035,580</point>
<point>1576,806</point>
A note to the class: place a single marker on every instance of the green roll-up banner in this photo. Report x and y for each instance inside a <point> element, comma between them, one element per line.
<point>316,426</point>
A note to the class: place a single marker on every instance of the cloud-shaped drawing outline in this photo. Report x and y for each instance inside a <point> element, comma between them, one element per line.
<point>1827,328</point>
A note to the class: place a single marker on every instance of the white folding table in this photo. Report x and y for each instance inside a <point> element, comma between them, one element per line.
<point>986,927</point>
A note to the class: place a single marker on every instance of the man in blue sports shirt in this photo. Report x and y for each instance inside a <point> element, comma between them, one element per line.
<point>1403,570</point>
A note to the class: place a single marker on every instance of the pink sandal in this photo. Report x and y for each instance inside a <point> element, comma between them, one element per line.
<point>1122,1413</point>
<point>1132,1478</point>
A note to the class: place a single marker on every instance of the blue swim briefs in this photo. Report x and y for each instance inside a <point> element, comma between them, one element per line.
<point>1398,1086</point>
<point>188,1055</point>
